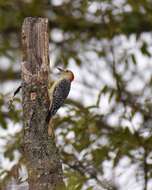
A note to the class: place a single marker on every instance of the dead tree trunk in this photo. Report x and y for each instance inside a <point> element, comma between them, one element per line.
<point>39,150</point>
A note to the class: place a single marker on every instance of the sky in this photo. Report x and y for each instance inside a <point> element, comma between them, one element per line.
<point>123,173</point>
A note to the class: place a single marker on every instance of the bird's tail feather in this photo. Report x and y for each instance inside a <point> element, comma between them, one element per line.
<point>48,117</point>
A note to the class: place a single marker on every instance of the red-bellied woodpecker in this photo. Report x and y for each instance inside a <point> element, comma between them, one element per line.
<point>59,92</point>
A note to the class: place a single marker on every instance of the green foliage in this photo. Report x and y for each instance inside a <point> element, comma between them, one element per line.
<point>99,155</point>
<point>75,181</point>
<point>94,35</point>
<point>144,49</point>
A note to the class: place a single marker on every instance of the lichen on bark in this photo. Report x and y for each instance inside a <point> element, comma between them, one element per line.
<point>39,150</point>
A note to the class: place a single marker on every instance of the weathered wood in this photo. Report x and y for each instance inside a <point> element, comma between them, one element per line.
<point>39,150</point>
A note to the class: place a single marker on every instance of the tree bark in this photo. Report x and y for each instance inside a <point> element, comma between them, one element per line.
<point>39,150</point>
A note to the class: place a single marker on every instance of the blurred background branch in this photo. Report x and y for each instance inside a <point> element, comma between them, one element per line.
<point>106,123</point>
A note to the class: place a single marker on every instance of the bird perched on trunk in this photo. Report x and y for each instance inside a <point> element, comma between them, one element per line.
<point>58,93</point>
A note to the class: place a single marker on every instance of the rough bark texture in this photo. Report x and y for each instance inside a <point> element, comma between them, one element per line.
<point>39,150</point>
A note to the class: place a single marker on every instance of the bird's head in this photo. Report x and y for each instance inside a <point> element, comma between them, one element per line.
<point>66,74</point>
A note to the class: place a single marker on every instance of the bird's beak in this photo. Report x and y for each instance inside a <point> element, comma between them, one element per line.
<point>61,70</point>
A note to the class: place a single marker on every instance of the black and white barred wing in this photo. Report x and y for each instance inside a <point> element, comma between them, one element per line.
<point>59,94</point>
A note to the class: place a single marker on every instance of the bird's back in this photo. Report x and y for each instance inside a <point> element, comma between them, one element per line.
<point>60,92</point>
